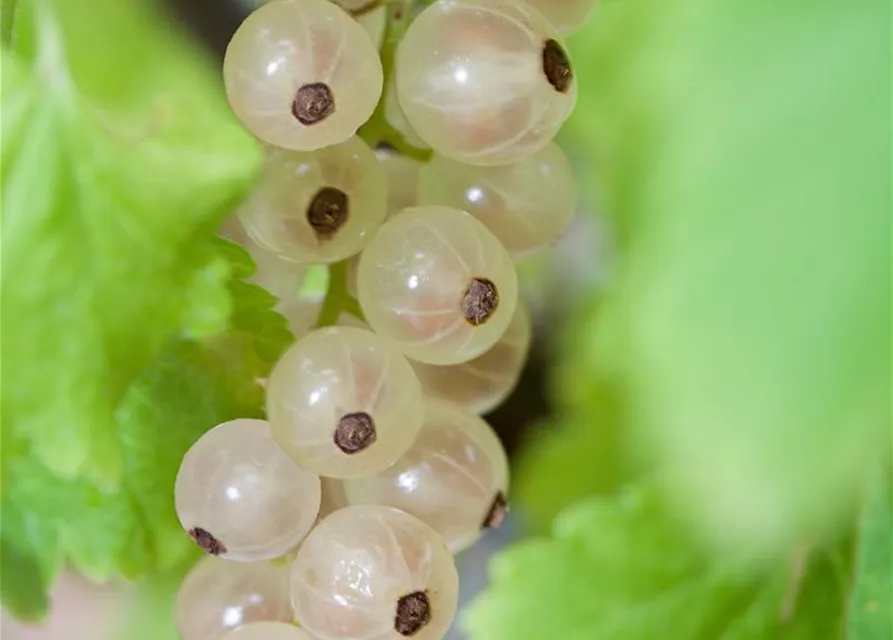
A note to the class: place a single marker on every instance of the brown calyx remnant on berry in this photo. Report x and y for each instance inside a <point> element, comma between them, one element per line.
<point>497,513</point>
<point>480,301</point>
<point>313,103</point>
<point>327,212</point>
<point>355,432</point>
<point>413,613</point>
<point>206,541</point>
<point>556,66</point>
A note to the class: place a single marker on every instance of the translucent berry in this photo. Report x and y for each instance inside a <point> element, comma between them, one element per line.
<point>302,74</point>
<point>374,573</point>
<point>217,596</point>
<point>373,22</point>
<point>268,631</point>
<point>402,173</point>
<point>480,385</point>
<point>527,205</point>
<point>344,403</point>
<point>566,15</point>
<point>435,281</point>
<point>240,497</point>
<point>319,206</point>
<point>454,477</point>
<point>484,81</point>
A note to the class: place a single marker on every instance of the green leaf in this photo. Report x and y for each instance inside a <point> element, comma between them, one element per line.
<point>133,530</point>
<point>745,150</point>
<point>871,602</point>
<point>581,450</point>
<point>119,157</point>
<point>24,583</point>
<point>623,568</point>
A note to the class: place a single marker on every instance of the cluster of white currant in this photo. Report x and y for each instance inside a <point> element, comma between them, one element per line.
<point>337,517</point>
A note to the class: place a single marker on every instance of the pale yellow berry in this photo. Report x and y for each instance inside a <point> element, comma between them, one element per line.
<point>374,573</point>
<point>484,81</point>
<point>527,204</point>
<point>343,402</point>
<point>480,385</point>
<point>240,497</point>
<point>319,206</point>
<point>217,596</point>
<point>302,74</point>
<point>436,282</point>
<point>454,477</point>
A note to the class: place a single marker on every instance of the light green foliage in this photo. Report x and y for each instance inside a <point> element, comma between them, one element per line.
<point>125,336</point>
<point>742,154</point>
<point>871,603</point>
<point>622,569</point>
<point>119,156</point>
<point>133,531</point>
<point>745,149</point>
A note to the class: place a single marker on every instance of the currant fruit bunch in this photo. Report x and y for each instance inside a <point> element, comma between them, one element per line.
<point>409,148</point>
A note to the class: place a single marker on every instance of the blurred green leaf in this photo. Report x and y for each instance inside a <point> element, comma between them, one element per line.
<point>119,157</point>
<point>871,603</point>
<point>133,530</point>
<point>745,152</point>
<point>622,568</point>
<point>24,575</point>
<point>580,450</point>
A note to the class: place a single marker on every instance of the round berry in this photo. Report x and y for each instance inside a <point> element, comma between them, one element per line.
<point>375,573</point>
<point>240,497</point>
<point>436,282</point>
<point>484,81</point>
<point>302,74</point>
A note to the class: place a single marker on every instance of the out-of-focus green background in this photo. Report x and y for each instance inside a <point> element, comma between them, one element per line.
<point>710,457</point>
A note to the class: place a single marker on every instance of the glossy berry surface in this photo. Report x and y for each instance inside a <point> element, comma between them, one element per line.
<point>240,497</point>
<point>484,81</point>
<point>217,596</point>
<point>375,573</point>
<point>527,205</point>
<point>436,282</point>
<point>343,402</point>
<point>480,385</point>
<point>454,478</point>
<point>302,74</point>
<point>319,206</point>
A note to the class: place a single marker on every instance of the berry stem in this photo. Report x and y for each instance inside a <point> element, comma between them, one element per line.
<point>377,129</point>
<point>338,299</point>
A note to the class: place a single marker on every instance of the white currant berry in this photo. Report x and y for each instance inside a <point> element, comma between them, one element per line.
<point>480,385</point>
<point>333,496</point>
<point>484,81</point>
<point>454,477</point>
<point>566,15</point>
<point>402,174</point>
<point>343,402</point>
<point>527,205</point>
<point>374,573</point>
<point>373,22</point>
<point>240,497</point>
<point>435,281</point>
<point>302,74</point>
<point>393,113</point>
<point>217,596</point>
<point>268,631</point>
<point>319,206</point>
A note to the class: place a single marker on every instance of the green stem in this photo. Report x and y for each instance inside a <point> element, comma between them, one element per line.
<point>338,299</point>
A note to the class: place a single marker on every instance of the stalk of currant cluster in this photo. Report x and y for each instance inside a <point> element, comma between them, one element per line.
<point>337,517</point>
